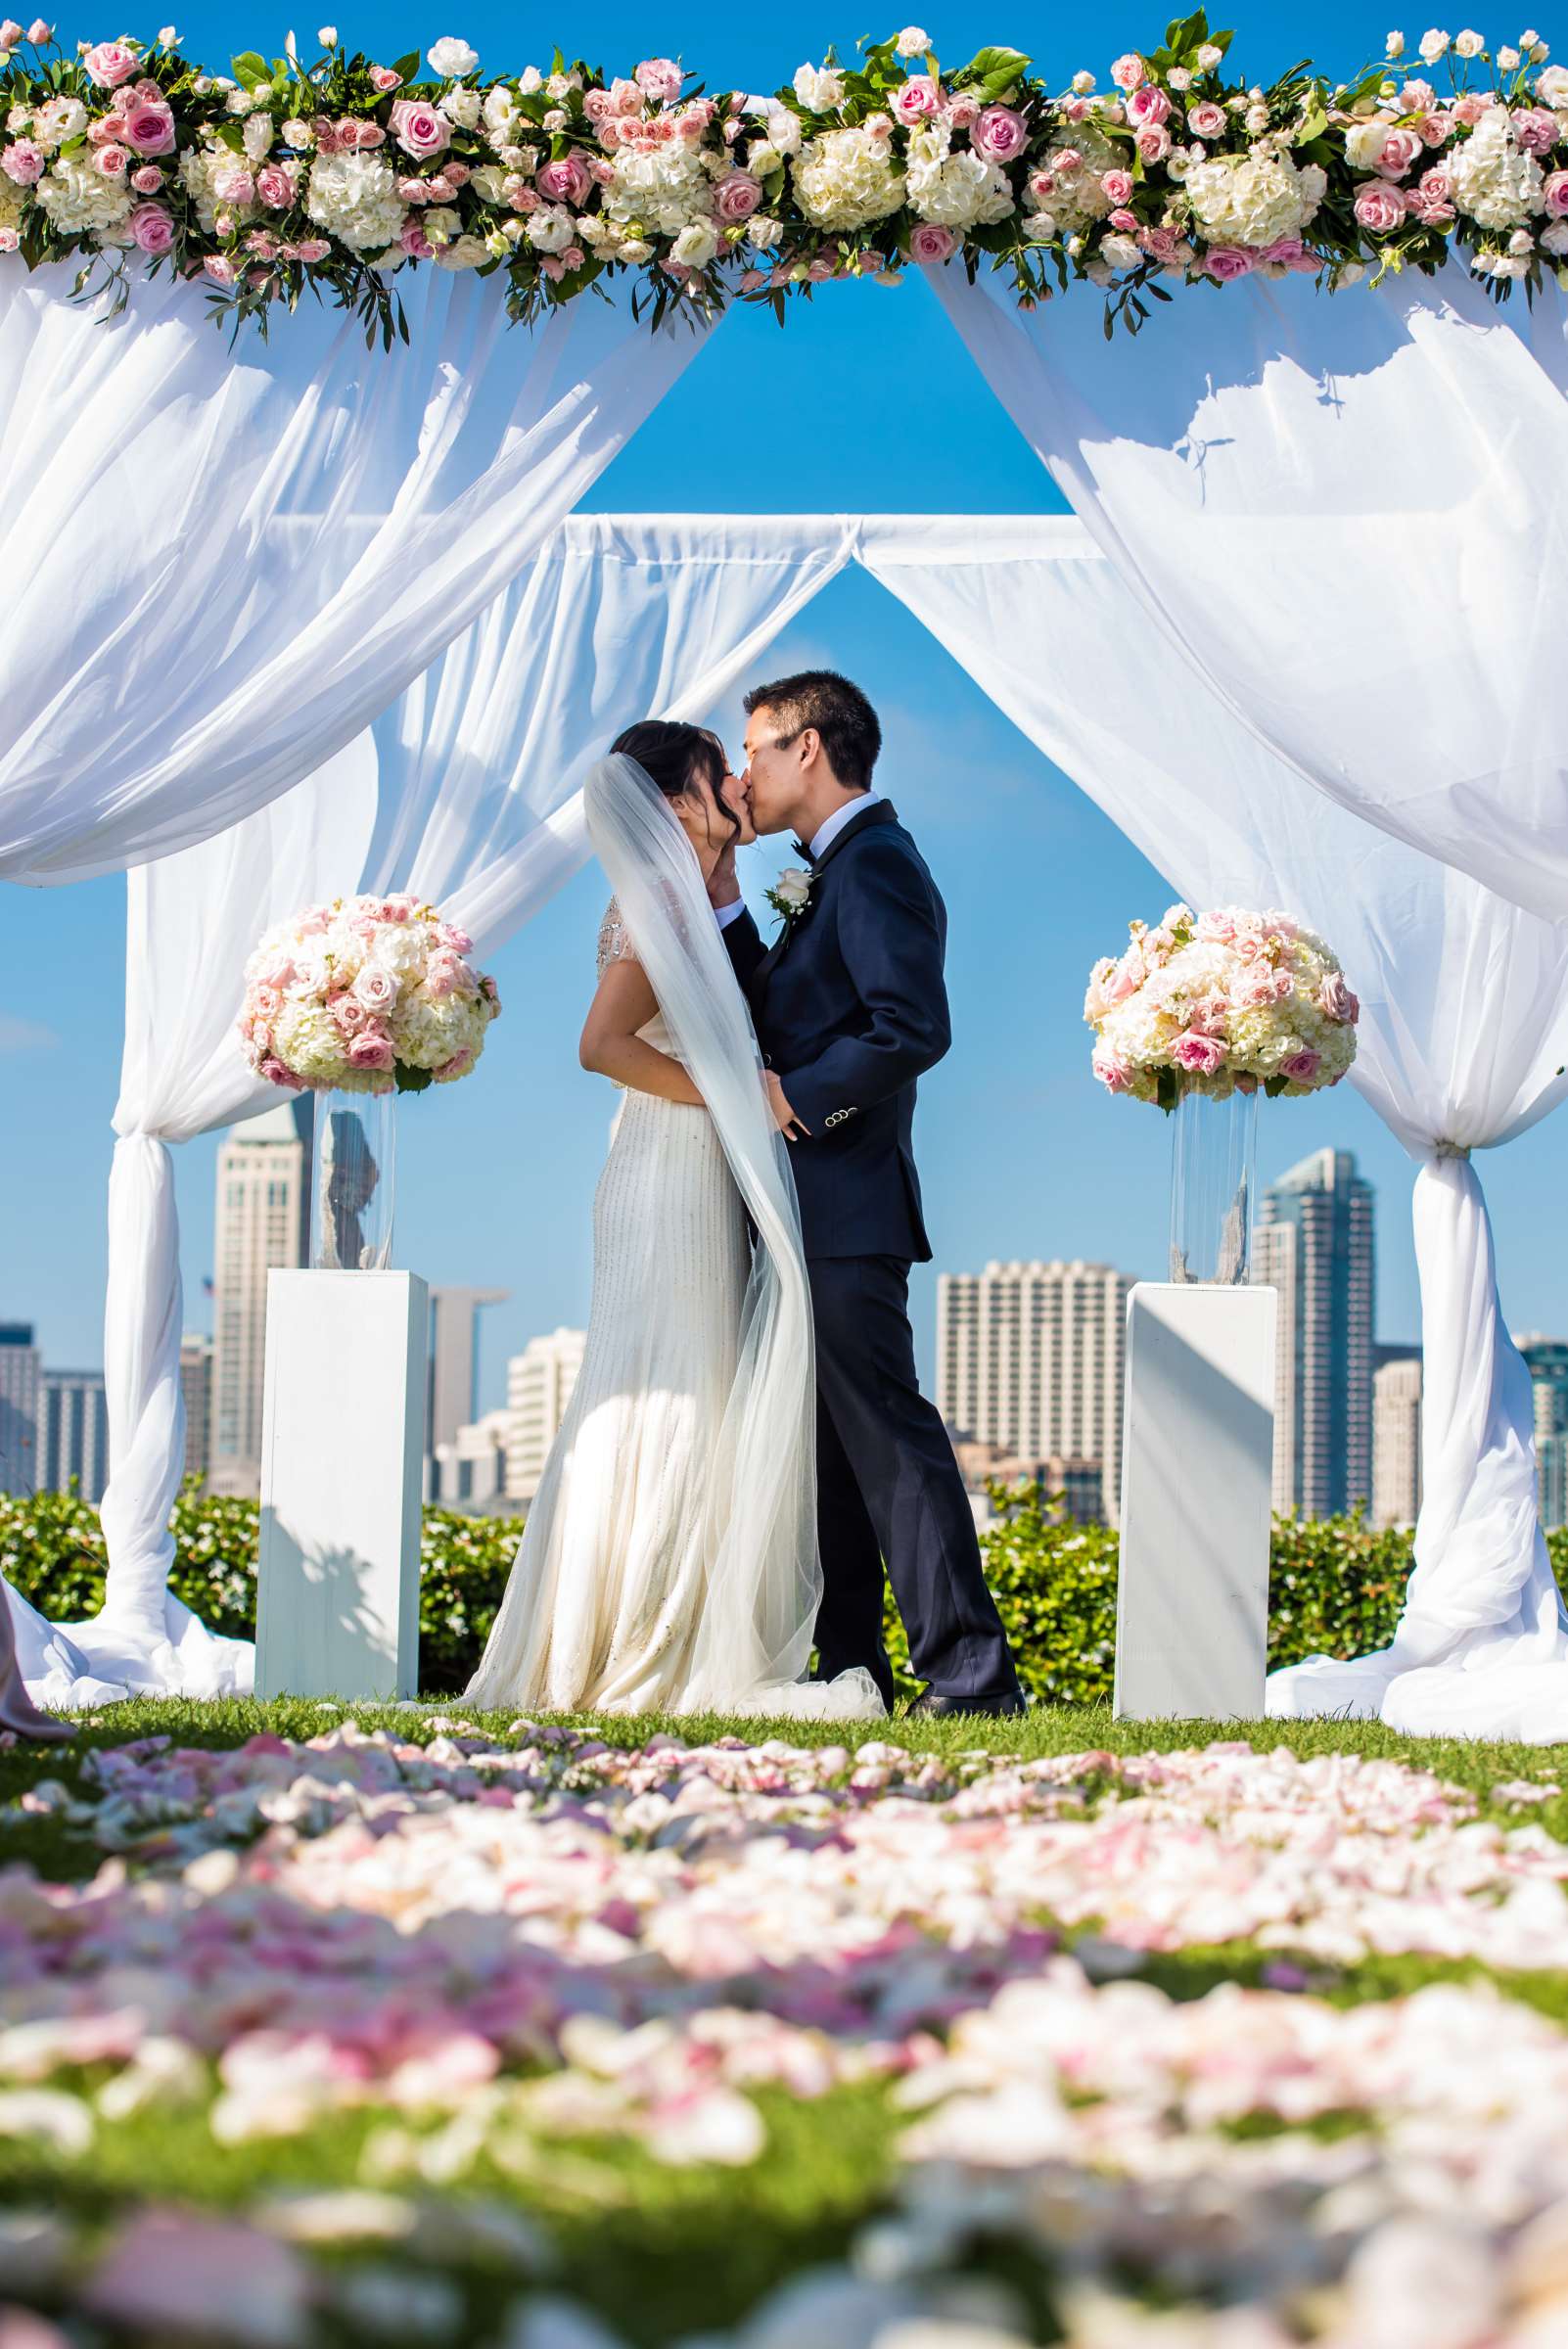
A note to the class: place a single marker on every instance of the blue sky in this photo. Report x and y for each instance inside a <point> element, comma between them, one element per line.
<point>865,399</point>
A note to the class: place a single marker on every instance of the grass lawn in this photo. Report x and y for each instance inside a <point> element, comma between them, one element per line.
<point>657,2249</point>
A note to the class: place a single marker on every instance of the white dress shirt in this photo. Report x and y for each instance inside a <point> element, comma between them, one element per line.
<point>819,841</point>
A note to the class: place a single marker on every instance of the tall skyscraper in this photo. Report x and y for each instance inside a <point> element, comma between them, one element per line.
<point>263,1207</point>
<point>1397,1440</point>
<point>538,1387</point>
<point>20,1372</point>
<point>73,1433</point>
<point>1547,1360</point>
<point>195,1385</point>
<point>454,1360</point>
<point>1313,1245</point>
<point>1030,1357</point>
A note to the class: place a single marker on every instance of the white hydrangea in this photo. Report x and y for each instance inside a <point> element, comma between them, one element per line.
<point>847,179</point>
<point>59,119</point>
<point>76,197</point>
<point>11,200</point>
<point>1253,198</point>
<point>354,198</point>
<point>1077,198</point>
<point>306,1038</point>
<point>1496,182</point>
<point>955,191</point>
<point>664,190</point>
<point>199,166</point>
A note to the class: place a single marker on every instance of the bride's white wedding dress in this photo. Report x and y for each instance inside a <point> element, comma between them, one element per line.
<point>669,1561</point>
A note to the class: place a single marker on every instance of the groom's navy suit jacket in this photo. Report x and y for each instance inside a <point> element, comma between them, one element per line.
<point>850,1008</point>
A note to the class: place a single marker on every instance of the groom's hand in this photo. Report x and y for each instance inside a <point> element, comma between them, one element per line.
<point>784,1118</point>
<point>723,887</point>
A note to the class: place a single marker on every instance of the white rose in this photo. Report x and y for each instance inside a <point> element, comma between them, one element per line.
<point>1083,82</point>
<point>466,253</point>
<point>1432,45</point>
<point>328,36</point>
<point>784,131</point>
<point>238,101</point>
<point>1365,142</point>
<point>551,230</point>
<point>696,246</point>
<point>442,222</point>
<point>1508,59</point>
<point>1551,89</point>
<point>452,58</point>
<point>635,249</point>
<point>1469,44</point>
<point>257,136</point>
<point>912,43</point>
<point>296,134</point>
<point>1040,229</point>
<point>762,232</point>
<point>529,80</point>
<point>1122,252</point>
<point>461,107</point>
<point>1555,240</point>
<point>792,888</point>
<point>819,87</point>
<point>764,157</point>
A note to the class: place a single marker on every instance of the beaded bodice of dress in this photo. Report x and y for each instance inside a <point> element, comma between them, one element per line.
<point>616,946</point>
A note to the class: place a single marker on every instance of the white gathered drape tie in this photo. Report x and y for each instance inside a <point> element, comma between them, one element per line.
<point>1451,1149</point>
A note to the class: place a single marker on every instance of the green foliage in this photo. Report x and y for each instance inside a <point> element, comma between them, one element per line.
<point>1335,1583</point>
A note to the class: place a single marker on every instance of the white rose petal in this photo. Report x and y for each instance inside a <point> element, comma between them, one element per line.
<point>452,58</point>
<point>328,36</point>
<point>912,43</point>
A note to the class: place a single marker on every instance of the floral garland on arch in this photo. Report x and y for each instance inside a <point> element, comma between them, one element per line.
<point>1221,1002</point>
<point>342,173</point>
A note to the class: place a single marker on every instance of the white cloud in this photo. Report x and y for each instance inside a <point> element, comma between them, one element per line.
<point>25,1036</point>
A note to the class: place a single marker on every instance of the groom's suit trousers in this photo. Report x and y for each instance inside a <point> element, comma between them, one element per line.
<point>889,1488</point>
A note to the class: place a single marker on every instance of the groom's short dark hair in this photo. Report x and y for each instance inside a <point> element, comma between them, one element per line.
<point>843,717</point>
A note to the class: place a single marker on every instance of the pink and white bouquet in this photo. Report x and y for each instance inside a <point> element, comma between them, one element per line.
<point>363,994</point>
<point>1220,1003</point>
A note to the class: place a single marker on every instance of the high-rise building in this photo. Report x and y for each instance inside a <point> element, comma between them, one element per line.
<point>263,1209</point>
<point>453,1391</point>
<point>1397,1438</point>
<point>1313,1245</point>
<point>1547,1361</point>
<point>538,1387</point>
<point>73,1433</point>
<point>196,1386</point>
<point>470,1471</point>
<point>1030,1357</point>
<point>20,1373</point>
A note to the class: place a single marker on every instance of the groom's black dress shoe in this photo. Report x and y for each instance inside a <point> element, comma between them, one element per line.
<point>928,1704</point>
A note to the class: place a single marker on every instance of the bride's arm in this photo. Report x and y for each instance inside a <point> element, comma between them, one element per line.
<point>611,1047</point>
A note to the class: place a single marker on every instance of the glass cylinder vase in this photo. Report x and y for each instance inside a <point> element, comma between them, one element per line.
<point>353,1183</point>
<point>1212,1145</point>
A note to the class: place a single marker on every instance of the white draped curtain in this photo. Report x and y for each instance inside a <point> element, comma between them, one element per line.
<point>220,565</point>
<point>466,789</point>
<point>1351,515</point>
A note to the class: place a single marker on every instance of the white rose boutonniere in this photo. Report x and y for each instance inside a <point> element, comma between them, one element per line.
<point>790,895</point>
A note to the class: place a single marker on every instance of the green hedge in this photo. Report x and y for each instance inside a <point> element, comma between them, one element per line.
<point>1335,1585</point>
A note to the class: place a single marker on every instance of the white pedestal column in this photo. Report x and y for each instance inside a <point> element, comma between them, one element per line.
<point>1197,1461</point>
<point>343,1448</point>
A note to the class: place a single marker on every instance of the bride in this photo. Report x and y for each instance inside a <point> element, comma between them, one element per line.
<point>669,1559</point>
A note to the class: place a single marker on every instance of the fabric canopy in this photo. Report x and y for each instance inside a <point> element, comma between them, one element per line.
<point>1351,515</point>
<point>219,566</point>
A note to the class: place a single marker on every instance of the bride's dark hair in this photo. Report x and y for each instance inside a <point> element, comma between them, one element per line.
<point>678,757</point>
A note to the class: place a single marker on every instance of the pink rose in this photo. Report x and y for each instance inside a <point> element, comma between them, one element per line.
<point>917,99</point>
<point>265,1002</point>
<point>376,988</point>
<point>1379,208</point>
<point>824,266</point>
<point>112,63</point>
<point>418,129</point>
<point>455,941</point>
<point>111,161</point>
<point>737,196</point>
<point>1159,243</point>
<point>1199,1056</point>
<point>352,133</point>
<point>1205,120</point>
<point>1111,1069</point>
<point>149,130</point>
<point>1001,133</point>
<point>371,1049</point>
<point>1555,195</point>
<point>1148,105</point>
<point>1118,185</point>
<point>23,162</point>
<point>1210,1016</point>
<point>1469,109</point>
<point>1399,152</point>
<point>1336,1000</point>
<point>931,244</point>
<point>750,280</point>
<point>1302,1067</point>
<point>11,35</point>
<point>1068,159</point>
<point>568,180</point>
<point>1127,72</point>
<point>1246,1081</point>
<point>350,1015</point>
<point>1126,221</point>
<point>598,105</point>
<point>385,79</point>
<point>625,97</point>
<point>1224,262</point>
<point>963,112</point>
<point>1154,143</point>
<point>325,134</point>
<point>277,1072</point>
<point>41,33</point>
<point>659,78</point>
<point>1535,130</point>
<point>274,186</point>
<point>1435,185</point>
<point>152,228</point>
<point>147,180</point>
<point>1434,129</point>
<point>455,1066</point>
<point>234,185</point>
<point>263,243</point>
<point>1287,251</point>
<point>313,249</point>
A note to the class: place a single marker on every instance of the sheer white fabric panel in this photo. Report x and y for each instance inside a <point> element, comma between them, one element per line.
<point>1351,513</point>
<point>1463,1042</point>
<point>468,789</point>
<point>219,566</point>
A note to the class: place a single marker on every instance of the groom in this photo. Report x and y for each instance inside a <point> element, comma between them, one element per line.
<point>851,1009</point>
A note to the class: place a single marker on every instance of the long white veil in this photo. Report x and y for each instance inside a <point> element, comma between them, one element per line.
<point>765,1576</point>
